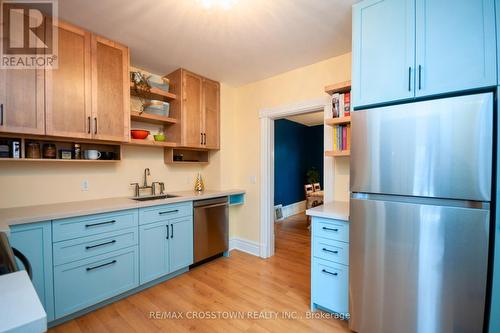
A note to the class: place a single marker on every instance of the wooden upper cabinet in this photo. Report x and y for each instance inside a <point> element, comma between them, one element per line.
<point>211,113</point>
<point>197,109</point>
<point>22,100</point>
<point>192,110</point>
<point>68,88</point>
<point>110,90</point>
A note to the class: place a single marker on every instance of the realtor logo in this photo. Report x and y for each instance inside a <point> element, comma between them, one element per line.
<point>28,34</point>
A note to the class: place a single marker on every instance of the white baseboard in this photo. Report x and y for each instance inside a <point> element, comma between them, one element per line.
<point>244,245</point>
<point>294,209</point>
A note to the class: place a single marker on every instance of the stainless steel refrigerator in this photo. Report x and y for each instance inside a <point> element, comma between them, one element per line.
<point>421,184</point>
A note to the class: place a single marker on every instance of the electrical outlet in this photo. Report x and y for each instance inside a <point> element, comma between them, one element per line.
<point>84,185</point>
<point>253,179</point>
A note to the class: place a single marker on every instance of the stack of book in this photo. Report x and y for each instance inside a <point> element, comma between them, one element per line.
<point>341,105</point>
<point>341,137</point>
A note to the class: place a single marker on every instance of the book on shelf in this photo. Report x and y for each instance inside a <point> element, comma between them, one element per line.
<point>341,137</point>
<point>347,104</point>
<point>335,105</point>
<point>341,105</point>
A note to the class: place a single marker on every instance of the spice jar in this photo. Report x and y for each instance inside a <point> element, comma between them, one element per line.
<point>49,151</point>
<point>33,150</point>
<point>77,151</point>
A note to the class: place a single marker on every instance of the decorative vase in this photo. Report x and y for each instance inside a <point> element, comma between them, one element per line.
<point>198,184</point>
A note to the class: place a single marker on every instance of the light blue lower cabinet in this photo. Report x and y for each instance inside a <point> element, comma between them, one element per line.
<point>154,251</point>
<point>330,265</point>
<point>86,282</point>
<point>330,288</point>
<point>181,243</point>
<point>165,247</point>
<point>35,242</point>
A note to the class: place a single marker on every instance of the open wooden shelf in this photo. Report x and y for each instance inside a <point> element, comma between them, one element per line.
<point>338,121</point>
<point>337,153</point>
<point>56,160</point>
<point>153,93</point>
<point>151,143</point>
<point>189,155</point>
<point>340,88</point>
<point>151,118</point>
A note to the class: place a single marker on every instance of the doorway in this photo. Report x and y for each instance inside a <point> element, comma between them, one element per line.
<point>267,126</point>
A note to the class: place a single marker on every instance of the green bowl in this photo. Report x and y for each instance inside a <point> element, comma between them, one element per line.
<point>159,137</point>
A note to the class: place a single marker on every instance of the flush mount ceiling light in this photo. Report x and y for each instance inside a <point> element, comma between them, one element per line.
<point>213,4</point>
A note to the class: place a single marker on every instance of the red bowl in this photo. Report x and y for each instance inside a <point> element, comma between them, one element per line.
<point>139,134</point>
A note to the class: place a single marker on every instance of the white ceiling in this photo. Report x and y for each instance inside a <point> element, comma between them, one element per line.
<point>309,119</point>
<point>253,40</point>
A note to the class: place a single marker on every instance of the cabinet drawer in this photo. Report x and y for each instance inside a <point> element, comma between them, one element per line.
<point>86,247</point>
<point>86,282</point>
<point>331,229</point>
<point>83,226</point>
<point>330,285</point>
<point>331,250</point>
<point>165,212</point>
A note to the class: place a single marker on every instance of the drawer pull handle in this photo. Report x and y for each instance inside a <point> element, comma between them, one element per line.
<point>99,266</point>
<point>100,223</point>
<point>327,272</point>
<point>102,244</point>
<point>331,251</point>
<point>330,229</point>
<point>169,212</point>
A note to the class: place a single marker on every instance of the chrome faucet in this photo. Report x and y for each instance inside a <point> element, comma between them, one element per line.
<point>146,174</point>
<point>153,185</point>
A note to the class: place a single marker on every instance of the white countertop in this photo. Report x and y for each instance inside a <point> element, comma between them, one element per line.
<point>20,308</point>
<point>31,214</point>
<point>337,210</point>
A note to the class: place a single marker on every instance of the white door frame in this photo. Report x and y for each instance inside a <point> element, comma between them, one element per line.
<point>267,117</point>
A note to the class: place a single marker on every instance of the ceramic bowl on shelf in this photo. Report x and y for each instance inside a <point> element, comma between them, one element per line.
<point>139,134</point>
<point>159,137</point>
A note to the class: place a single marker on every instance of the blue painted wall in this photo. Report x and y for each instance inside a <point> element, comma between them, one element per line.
<point>296,149</point>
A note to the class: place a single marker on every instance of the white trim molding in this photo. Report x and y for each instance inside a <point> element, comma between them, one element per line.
<point>244,245</point>
<point>267,117</point>
<point>293,209</point>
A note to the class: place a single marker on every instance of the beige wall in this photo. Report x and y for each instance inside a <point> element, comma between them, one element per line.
<point>297,85</point>
<point>23,184</point>
<point>233,166</point>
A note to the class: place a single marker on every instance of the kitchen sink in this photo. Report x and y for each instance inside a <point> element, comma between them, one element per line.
<point>156,197</point>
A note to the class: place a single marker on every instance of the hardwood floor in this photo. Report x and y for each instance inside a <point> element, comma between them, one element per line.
<point>241,284</point>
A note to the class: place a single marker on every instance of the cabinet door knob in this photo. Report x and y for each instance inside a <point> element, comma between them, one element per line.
<point>95,125</point>
<point>88,118</point>
<point>201,140</point>
<point>168,234</point>
<point>172,233</point>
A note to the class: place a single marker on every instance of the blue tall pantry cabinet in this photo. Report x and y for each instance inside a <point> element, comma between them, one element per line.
<point>35,242</point>
<point>404,49</point>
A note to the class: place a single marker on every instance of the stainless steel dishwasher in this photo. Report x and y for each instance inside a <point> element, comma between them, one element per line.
<point>211,235</point>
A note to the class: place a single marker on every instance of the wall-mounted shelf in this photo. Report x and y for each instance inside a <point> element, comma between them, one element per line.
<point>151,118</point>
<point>57,160</point>
<point>151,143</point>
<point>188,155</point>
<point>236,199</point>
<point>113,150</point>
<point>152,93</point>
<point>337,153</point>
<point>338,121</point>
<point>340,88</point>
